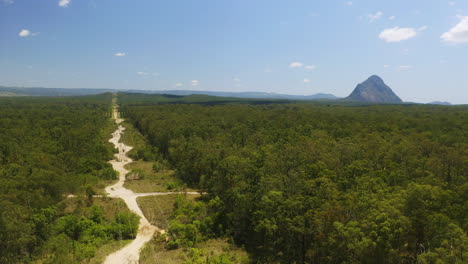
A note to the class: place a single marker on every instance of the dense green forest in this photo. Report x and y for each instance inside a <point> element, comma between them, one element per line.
<point>317,183</point>
<point>143,99</point>
<point>49,148</point>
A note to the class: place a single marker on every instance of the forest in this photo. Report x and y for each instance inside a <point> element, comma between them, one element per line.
<point>315,182</point>
<point>50,148</point>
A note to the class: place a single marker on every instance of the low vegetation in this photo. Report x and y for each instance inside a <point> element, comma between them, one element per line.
<point>85,233</point>
<point>145,177</point>
<point>159,209</point>
<point>214,251</point>
<point>139,143</point>
<point>187,240</point>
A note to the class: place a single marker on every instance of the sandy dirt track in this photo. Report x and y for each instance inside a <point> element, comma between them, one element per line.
<point>131,252</point>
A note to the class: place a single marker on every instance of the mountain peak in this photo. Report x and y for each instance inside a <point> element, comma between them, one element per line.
<point>374,90</point>
<point>375,78</point>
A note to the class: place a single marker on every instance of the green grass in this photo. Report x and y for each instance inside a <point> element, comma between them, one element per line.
<point>161,181</point>
<point>99,188</point>
<point>106,250</point>
<point>154,252</point>
<point>158,209</point>
<point>133,138</point>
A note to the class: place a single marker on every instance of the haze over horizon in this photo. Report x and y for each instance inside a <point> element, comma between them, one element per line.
<point>292,47</point>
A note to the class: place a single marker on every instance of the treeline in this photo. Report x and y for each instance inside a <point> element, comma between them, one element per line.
<point>307,183</point>
<point>49,147</point>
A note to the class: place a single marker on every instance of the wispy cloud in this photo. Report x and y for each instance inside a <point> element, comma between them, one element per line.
<point>120,54</point>
<point>178,85</point>
<point>195,82</point>
<point>376,16</point>
<point>397,34</point>
<point>7,2</point>
<point>422,28</point>
<point>405,67</point>
<point>306,80</point>
<point>457,34</point>
<point>392,17</point>
<point>349,3</point>
<point>64,3</point>
<point>296,65</point>
<point>147,74</point>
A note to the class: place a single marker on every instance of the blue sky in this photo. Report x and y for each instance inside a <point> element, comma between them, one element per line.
<point>419,47</point>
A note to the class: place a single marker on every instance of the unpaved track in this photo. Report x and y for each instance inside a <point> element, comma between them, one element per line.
<point>131,252</point>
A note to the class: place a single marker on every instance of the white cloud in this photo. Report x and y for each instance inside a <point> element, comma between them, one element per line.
<point>64,3</point>
<point>120,54</point>
<point>296,65</point>
<point>178,85</point>
<point>147,74</point>
<point>349,3</point>
<point>310,67</point>
<point>24,33</point>
<point>405,67</point>
<point>306,80</point>
<point>458,34</point>
<point>237,80</point>
<point>392,17</point>
<point>422,28</point>
<point>387,66</point>
<point>373,17</point>
<point>451,3</point>
<point>397,34</point>
<point>195,82</point>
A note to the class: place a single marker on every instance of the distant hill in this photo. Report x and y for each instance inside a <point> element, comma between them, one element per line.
<point>252,95</point>
<point>40,91</point>
<point>374,90</point>
<point>439,103</point>
<point>8,94</point>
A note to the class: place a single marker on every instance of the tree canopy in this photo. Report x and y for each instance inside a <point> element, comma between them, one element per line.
<point>319,183</point>
<point>50,147</point>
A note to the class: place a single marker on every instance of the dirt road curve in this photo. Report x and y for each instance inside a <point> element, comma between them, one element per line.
<point>131,252</point>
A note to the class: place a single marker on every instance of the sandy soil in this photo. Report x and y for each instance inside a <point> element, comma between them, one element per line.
<point>131,252</point>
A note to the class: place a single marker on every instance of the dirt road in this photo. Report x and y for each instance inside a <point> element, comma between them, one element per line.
<point>131,252</point>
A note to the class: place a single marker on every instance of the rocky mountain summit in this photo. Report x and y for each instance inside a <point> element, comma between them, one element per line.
<point>374,90</point>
